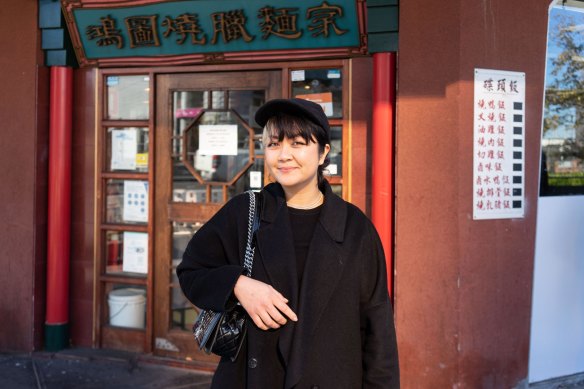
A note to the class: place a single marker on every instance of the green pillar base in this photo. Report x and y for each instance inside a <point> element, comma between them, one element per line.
<point>56,336</point>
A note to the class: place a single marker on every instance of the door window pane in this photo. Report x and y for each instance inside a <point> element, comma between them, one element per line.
<point>182,314</point>
<point>127,149</point>
<point>252,179</point>
<point>335,167</point>
<point>128,97</point>
<point>210,145</point>
<point>246,103</point>
<point>218,146</point>
<point>218,99</point>
<point>323,86</point>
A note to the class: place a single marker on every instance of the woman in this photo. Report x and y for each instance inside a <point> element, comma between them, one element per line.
<point>318,303</point>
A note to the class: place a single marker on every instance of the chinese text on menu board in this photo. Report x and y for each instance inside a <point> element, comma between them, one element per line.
<point>498,152</point>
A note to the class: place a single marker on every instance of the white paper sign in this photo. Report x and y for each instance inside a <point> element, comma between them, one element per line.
<point>135,201</point>
<point>499,144</point>
<point>255,179</point>
<point>297,75</point>
<point>135,258</point>
<point>218,139</point>
<point>332,169</point>
<point>124,147</point>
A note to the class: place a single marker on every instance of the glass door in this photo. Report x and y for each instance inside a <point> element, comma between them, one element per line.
<point>208,149</point>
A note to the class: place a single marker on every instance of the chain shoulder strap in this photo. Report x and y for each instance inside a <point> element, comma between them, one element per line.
<point>249,248</point>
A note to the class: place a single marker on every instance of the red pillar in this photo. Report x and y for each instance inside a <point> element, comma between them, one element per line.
<point>59,208</point>
<point>382,203</point>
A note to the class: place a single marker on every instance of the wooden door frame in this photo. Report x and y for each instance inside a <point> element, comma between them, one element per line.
<point>356,121</point>
<point>166,211</point>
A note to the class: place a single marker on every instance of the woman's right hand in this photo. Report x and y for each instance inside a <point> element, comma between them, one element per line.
<point>264,304</point>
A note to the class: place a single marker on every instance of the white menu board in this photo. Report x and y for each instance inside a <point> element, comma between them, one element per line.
<point>499,144</point>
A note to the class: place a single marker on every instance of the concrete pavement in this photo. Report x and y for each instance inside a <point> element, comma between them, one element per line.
<point>93,369</point>
<point>81,368</point>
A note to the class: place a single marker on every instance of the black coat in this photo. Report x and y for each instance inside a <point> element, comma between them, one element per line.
<point>344,337</point>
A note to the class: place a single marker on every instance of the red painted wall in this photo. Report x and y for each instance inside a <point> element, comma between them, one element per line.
<point>463,287</point>
<point>82,208</point>
<point>23,173</point>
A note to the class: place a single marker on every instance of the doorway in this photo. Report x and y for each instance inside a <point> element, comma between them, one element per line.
<point>208,150</point>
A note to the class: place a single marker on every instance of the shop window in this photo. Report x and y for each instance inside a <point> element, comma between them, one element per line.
<point>127,97</point>
<point>127,149</point>
<point>125,217</point>
<point>325,87</point>
<point>562,170</point>
<point>183,313</point>
<point>126,253</point>
<point>126,201</point>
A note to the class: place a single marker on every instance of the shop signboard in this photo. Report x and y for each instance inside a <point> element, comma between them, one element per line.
<point>499,144</point>
<point>212,30</point>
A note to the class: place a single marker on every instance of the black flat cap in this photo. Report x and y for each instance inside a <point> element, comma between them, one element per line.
<point>295,107</point>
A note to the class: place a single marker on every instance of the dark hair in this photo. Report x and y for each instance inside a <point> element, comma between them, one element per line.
<point>282,125</point>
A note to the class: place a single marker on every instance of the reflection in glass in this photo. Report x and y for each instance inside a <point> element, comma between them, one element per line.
<point>218,99</point>
<point>225,152</point>
<point>335,167</point>
<point>114,247</point>
<point>323,86</point>
<point>211,142</point>
<point>124,203</point>
<point>126,306</point>
<point>127,97</point>
<point>563,127</point>
<point>252,179</point>
<point>183,313</point>
<point>127,149</point>
<point>246,103</point>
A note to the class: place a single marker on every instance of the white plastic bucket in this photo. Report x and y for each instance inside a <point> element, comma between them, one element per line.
<point>127,308</point>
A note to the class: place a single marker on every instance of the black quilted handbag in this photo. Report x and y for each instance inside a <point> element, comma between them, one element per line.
<point>223,333</point>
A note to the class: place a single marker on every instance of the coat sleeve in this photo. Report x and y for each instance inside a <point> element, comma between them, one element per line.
<point>211,263</point>
<point>379,346</point>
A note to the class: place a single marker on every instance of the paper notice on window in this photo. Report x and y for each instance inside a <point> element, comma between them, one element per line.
<point>135,201</point>
<point>325,100</point>
<point>142,160</point>
<point>332,169</point>
<point>218,139</point>
<point>124,147</point>
<point>255,179</point>
<point>297,75</point>
<point>135,253</point>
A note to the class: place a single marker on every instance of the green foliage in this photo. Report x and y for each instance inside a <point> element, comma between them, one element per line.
<point>566,89</point>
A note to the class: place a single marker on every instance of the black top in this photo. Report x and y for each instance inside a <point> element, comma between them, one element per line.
<point>302,222</point>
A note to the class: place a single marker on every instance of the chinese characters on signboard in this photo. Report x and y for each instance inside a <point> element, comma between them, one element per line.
<point>499,127</point>
<point>171,28</point>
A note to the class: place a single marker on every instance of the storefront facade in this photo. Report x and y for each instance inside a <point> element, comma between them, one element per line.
<point>160,139</point>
